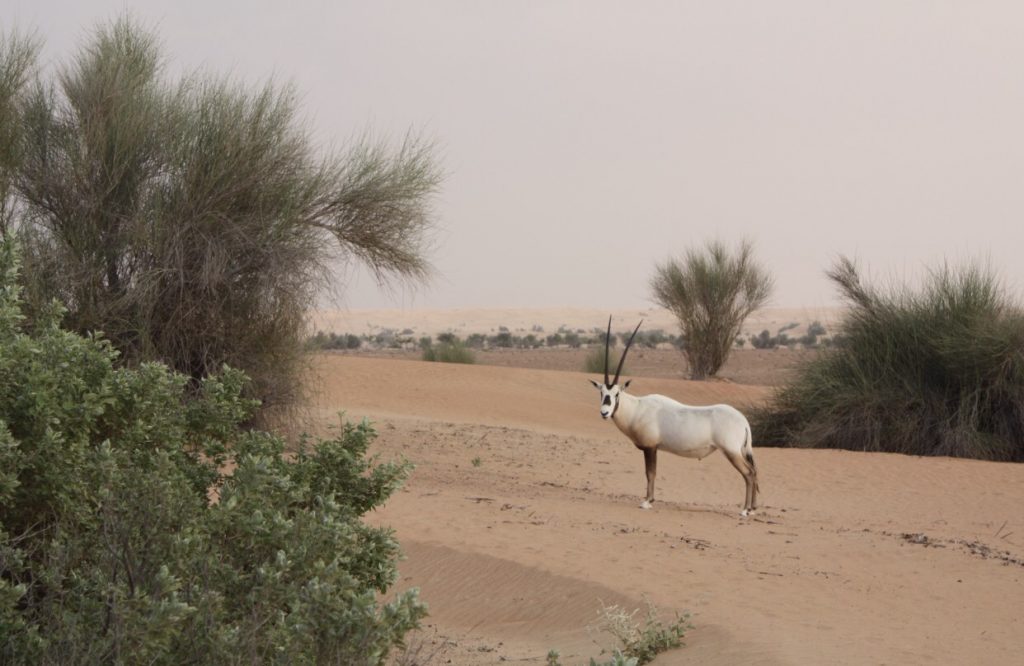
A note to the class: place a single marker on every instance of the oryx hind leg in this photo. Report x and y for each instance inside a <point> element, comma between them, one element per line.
<point>749,477</point>
<point>651,470</point>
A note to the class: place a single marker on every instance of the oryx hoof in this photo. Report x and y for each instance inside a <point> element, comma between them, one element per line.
<point>745,512</point>
<point>646,505</point>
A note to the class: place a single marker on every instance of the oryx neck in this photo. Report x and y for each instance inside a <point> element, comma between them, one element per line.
<point>624,400</point>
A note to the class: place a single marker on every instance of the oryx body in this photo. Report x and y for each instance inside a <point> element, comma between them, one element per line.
<point>656,422</point>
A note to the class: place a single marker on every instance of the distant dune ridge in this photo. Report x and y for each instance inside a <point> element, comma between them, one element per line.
<point>465,321</point>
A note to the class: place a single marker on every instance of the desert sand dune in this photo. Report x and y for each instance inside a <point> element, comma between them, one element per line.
<point>521,519</point>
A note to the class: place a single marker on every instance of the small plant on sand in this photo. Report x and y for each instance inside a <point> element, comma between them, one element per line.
<point>449,352</point>
<point>476,461</point>
<point>641,642</point>
<point>617,659</point>
<point>638,644</point>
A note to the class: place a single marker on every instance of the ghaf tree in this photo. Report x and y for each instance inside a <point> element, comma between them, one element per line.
<point>711,293</point>
<point>195,221</point>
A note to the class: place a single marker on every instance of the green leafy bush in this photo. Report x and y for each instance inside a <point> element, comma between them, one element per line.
<point>939,371</point>
<point>140,524</point>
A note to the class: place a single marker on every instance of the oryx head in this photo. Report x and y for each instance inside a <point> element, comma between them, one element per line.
<point>610,390</point>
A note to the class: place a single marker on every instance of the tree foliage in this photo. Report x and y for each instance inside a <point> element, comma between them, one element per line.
<point>711,292</point>
<point>938,371</point>
<point>194,221</point>
<point>17,61</point>
<point>124,538</point>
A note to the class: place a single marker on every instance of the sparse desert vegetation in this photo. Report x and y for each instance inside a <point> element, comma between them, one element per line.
<point>520,552</point>
<point>448,352</point>
<point>711,292</point>
<point>193,220</point>
<point>448,349</point>
<point>173,235</point>
<point>934,371</point>
<point>176,484</point>
<point>641,642</point>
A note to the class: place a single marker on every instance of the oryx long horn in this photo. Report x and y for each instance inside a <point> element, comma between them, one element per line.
<point>607,341</point>
<point>622,359</point>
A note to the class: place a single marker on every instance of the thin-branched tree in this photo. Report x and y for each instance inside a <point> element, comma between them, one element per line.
<point>711,292</point>
<point>17,62</point>
<point>194,221</point>
<point>933,371</point>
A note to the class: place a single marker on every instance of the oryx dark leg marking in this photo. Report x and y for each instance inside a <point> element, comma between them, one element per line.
<point>749,476</point>
<point>651,467</point>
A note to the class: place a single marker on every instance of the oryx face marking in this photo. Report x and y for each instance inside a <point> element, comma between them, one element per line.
<point>609,399</point>
<point>610,390</point>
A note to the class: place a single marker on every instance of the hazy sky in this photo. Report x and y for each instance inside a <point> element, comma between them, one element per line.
<point>585,142</point>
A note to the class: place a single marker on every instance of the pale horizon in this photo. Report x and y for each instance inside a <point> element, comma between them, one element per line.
<point>545,321</point>
<point>585,142</point>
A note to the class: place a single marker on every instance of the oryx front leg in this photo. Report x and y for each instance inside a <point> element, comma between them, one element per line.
<point>651,467</point>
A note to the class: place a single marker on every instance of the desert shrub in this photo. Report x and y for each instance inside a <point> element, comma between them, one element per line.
<point>194,221</point>
<point>637,644</point>
<point>449,352</point>
<point>573,339</point>
<point>813,336</point>
<point>650,339</point>
<point>594,361</point>
<point>123,539</point>
<point>353,341</point>
<point>17,65</point>
<point>476,341</point>
<point>764,340</point>
<point>938,371</point>
<point>642,642</point>
<point>502,339</point>
<point>711,293</point>
<point>322,341</point>
<point>617,659</point>
<point>530,341</point>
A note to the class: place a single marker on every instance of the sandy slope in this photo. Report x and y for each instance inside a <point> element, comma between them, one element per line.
<point>856,558</point>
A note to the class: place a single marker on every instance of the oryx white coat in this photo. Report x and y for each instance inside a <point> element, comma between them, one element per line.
<point>656,422</point>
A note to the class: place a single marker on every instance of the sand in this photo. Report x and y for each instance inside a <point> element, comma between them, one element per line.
<point>521,520</point>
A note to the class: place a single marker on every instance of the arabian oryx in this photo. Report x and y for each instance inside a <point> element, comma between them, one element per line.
<point>656,422</point>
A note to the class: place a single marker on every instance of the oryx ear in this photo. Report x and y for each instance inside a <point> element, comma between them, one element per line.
<point>626,385</point>
<point>596,385</point>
